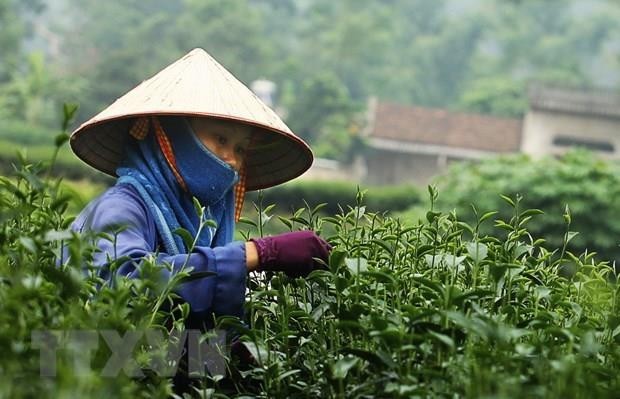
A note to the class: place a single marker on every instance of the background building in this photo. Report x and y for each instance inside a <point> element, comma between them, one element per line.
<point>558,119</point>
<point>411,144</point>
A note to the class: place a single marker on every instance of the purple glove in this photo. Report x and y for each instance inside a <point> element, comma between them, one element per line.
<point>291,253</point>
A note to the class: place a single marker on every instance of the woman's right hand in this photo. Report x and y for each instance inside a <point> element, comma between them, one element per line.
<point>292,253</point>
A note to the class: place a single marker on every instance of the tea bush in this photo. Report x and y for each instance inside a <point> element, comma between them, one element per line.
<point>66,164</point>
<point>438,308</point>
<point>589,186</point>
<point>338,195</point>
<point>38,144</point>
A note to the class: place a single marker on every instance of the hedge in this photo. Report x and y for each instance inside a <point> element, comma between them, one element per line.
<point>579,187</point>
<point>337,195</point>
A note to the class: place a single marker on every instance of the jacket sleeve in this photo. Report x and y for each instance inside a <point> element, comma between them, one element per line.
<point>223,293</point>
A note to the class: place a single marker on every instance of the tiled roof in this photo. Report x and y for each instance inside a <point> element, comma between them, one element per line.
<point>440,127</point>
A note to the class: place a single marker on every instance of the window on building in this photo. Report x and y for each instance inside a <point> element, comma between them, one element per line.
<point>595,145</point>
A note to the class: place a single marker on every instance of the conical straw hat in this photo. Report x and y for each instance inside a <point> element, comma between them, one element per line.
<point>196,85</point>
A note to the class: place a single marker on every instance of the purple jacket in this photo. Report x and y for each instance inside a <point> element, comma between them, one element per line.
<point>222,293</point>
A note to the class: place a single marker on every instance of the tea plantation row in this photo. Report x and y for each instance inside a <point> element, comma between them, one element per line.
<point>405,308</point>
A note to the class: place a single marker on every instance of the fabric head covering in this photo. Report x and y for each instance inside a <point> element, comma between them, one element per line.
<point>168,165</point>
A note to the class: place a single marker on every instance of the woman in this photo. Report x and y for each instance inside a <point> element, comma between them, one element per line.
<point>192,131</point>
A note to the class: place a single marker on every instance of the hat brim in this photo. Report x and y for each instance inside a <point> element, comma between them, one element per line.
<point>274,158</point>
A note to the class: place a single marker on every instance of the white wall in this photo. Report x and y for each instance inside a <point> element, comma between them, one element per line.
<point>540,128</point>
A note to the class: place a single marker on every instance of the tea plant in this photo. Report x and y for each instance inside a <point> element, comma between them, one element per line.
<point>435,309</point>
<point>403,308</point>
<point>45,294</point>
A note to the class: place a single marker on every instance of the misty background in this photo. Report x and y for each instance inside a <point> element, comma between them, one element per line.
<point>325,57</point>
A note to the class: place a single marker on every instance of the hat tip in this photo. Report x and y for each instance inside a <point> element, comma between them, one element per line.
<point>197,50</point>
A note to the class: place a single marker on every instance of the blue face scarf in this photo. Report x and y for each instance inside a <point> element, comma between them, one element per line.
<point>205,177</point>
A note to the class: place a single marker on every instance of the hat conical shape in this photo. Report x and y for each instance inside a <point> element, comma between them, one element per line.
<point>196,85</point>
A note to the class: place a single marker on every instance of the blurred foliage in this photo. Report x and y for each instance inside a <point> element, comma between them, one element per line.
<point>15,28</point>
<point>67,164</point>
<point>323,97</point>
<point>494,96</point>
<point>33,96</point>
<point>81,193</point>
<point>326,57</point>
<point>587,185</point>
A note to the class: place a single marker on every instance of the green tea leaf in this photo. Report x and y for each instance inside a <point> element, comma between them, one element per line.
<point>341,368</point>
<point>477,251</point>
<point>186,236</point>
<point>356,265</point>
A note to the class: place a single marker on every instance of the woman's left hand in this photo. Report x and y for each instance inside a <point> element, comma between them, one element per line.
<point>293,253</point>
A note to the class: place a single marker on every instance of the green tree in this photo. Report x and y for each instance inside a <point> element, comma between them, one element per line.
<point>14,28</point>
<point>119,44</point>
<point>320,98</point>
<point>35,95</point>
<point>12,32</point>
<point>233,32</point>
<point>496,96</point>
<point>444,61</point>
<point>124,42</point>
<point>550,41</point>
